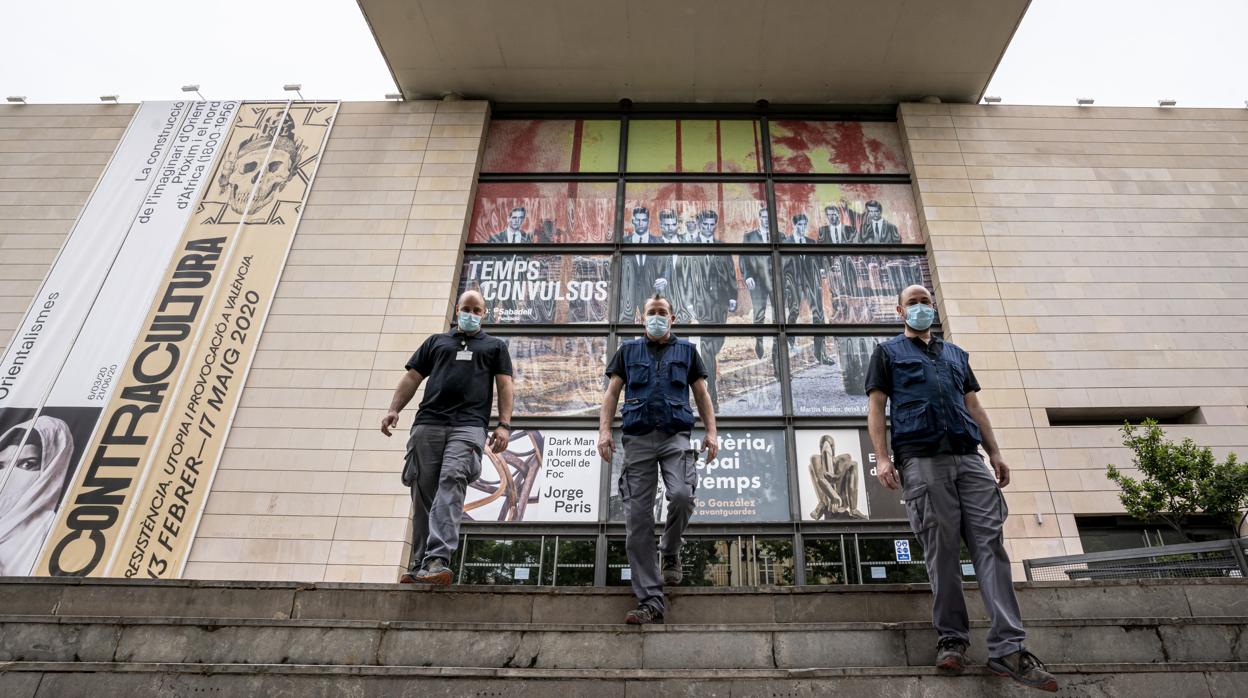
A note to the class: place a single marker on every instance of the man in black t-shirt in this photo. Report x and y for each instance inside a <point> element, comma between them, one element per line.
<point>463,367</point>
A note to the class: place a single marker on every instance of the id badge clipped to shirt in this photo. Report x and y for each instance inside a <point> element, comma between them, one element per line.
<point>463,355</point>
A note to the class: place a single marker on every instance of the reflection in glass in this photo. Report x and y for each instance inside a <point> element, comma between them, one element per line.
<point>693,145</point>
<point>836,147</point>
<point>824,561</point>
<point>540,288</point>
<point>543,212</point>
<point>675,211</point>
<point>848,214</point>
<point>557,376</point>
<point>849,289</point>
<point>552,145</point>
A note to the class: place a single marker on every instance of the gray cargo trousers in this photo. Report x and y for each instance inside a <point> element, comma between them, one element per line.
<point>441,461</point>
<point>645,456</point>
<point>953,498</point>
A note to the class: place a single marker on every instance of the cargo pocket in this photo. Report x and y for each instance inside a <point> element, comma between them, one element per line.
<point>690,459</point>
<point>918,508</point>
<point>1002,510</point>
<point>409,461</point>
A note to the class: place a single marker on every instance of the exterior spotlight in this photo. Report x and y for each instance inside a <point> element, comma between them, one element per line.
<point>192,88</point>
<point>989,99</point>
<point>1166,102</point>
<point>396,96</point>
<point>15,99</point>
<point>108,98</point>
<point>294,87</point>
<point>1084,101</point>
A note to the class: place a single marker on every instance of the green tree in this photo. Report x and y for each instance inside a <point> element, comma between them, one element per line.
<point>1178,479</point>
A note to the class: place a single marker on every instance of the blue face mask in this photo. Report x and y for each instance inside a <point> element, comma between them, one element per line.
<point>471,323</point>
<point>656,325</point>
<point>919,316</point>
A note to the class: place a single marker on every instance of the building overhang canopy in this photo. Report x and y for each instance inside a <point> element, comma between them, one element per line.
<point>692,51</point>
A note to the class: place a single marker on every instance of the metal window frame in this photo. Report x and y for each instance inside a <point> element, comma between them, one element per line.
<point>605,530</point>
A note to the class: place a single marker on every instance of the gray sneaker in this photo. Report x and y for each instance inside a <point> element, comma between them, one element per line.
<point>1025,668</point>
<point>951,656</point>
<point>672,573</point>
<point>434,572</point>
<point>644,615</point>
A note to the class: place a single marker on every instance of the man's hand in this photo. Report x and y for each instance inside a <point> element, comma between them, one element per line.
<point>710,444</point>
<point>389,421</point>
<point>887,474</point>
<point>660,284</point>
<point>732,306</point>
<point>606,446</point>
<point>749,283</point>
<point>1001,469</point>
<point>499,439</point>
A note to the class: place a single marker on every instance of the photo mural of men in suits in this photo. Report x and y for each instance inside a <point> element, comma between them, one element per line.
<point>836,231</point>
<point>644,273</point>
<point>669,226</point>
<point>804,275</point>
<point>757,279</point>
<point>513,232</point>
<point>708,291</point>
<point>876,229</point>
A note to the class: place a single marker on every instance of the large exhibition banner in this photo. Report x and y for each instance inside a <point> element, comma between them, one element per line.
<point>543,475</point>
<point>133,506</point>
<point>63,362</point>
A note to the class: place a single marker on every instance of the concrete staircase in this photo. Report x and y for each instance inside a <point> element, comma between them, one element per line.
<point>121,638</point>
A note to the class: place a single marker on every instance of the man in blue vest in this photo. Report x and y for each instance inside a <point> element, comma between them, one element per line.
<point>656,373</point>
<point>937,426</point>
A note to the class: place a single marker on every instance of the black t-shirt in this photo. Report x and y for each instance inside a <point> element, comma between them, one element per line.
<point>617,368</point>
<point>880,377</point>
<point>459,392</point>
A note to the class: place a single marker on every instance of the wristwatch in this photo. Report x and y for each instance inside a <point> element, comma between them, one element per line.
<point>505,425</point>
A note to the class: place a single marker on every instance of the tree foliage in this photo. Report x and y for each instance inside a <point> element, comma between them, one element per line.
<point>1178,479</point>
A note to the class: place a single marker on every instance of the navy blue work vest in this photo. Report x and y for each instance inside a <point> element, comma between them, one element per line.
<point>928,400</point>
<point>656,396</point>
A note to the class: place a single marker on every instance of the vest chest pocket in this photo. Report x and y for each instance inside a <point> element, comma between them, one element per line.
<point>678,370</point>
<point>908,372</point>
<point>638,373</point>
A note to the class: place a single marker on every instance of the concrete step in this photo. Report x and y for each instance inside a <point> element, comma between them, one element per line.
<point>393,602</point>
<point>614,646</point>
<point>1083,680</point>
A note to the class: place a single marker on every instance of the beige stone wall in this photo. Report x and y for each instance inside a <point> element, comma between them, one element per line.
<point>308,488</point>
<point>1088,257</point>
<point>50,158</point>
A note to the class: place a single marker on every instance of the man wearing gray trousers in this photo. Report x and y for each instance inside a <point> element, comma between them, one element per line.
<point>656,373</point>
<point>937,426</point>
<point>444,451</point>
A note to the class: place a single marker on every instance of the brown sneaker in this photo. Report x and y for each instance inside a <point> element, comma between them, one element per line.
<point>643,615</point>
<point>407,578</point>
<point>951,656</point>
<point>672,572</point>
<point>1025,668</point>
<point>434,572</point>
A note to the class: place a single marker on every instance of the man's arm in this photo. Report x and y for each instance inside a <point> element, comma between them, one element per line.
<point>606,446</point>
<point>884,470</point>
<point>402,395</point>
<point>702,396</point>
<point>502,435</point>
<point>980,415</point>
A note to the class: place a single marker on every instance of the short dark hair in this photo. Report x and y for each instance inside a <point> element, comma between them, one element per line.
<point>641,209</point>
<point>667,213</point>
<point>520,209</point>
<point>830,207</point>
<point>708,215</point>
<point>659,297</point>
<point>874,204</point>
<point>800,217</point>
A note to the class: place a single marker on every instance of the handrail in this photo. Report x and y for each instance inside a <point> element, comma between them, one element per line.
<point>1234,546</point>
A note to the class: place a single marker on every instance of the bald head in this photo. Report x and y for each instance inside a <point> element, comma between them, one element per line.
<point>473,298</point>
<point>914,294</point>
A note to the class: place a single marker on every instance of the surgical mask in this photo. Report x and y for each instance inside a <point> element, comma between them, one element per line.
<point>656,325</point>
<point>920,316</point>
<point>471,323</point>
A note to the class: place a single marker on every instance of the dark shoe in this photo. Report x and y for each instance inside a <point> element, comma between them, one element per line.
<point>758,347</point>
<point>644,615</point>
<point>672,573</point>
<point>434,572</point>
<point>951,655</point>
<point>1025,668</point>
<point>407,578</point>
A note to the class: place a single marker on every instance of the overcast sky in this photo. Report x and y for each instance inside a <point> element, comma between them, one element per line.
<point>1121,52</point>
